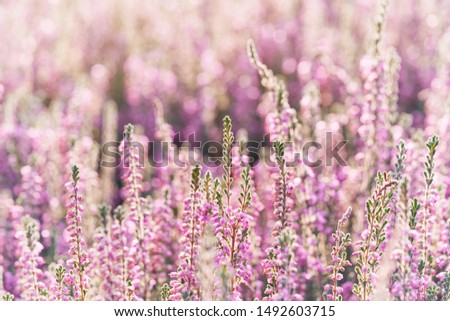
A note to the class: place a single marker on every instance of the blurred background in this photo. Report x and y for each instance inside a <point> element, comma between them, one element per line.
<point>191,55</point>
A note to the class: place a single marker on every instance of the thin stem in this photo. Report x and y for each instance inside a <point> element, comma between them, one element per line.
<point>77,235</point>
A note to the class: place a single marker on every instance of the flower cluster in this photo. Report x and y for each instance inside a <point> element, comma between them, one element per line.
<point>76,276</point>
<point>339,259</point>
<point>29,260</point>
<point>279,265</point>
<point>373,241</point>
<point>232,223</point>
<point>186,284</point>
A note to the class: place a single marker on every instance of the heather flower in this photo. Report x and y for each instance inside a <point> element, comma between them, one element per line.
<point>76,276</point>
<point>30,276</point>
<point>58,290</point>
<point>232,224</point>
<point>101,264</point>
<point>162,250</point>
<point>426,219</point>
<point>279,264</point>
<point>374,236</point>
<point>133,181</point>
<point>339,258</point>
<point>139,213</point>
<point>228,140</point>
<point>378,84</point>
<point>184,284</point>
<point>403,254</point>
<point>282,123</point>
<point>120,254</point>
<point>395,231</point>
<point>412,272</point>
<point>34,199</point>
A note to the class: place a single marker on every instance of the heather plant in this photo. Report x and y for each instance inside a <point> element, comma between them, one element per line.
<point>231,223</point>
<point>58,289</point>
<point>120,273</point>
<point>186,286</point>
<point>279,265</point>
<point>29,274</point>
<point>76,276</point>
<point>427,217</point>
<point>339,259</point>
<point>345,197</point>
<point>373,239</point>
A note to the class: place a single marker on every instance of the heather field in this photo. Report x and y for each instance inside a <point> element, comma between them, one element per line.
<point>225,150</point>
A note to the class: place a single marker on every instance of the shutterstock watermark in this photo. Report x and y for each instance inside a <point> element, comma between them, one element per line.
<point>191,152</point>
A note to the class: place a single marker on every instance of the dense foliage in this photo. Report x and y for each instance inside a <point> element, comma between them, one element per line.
<point>347,199</point>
